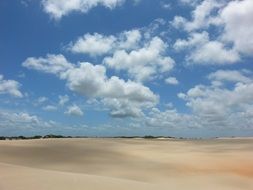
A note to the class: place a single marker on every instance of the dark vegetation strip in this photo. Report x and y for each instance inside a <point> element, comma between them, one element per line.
<point>61,136</point>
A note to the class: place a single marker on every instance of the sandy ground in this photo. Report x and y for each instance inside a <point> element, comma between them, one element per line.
<point>126,164</point>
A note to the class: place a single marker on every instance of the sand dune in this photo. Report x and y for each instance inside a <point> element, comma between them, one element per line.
<point>126,164</point>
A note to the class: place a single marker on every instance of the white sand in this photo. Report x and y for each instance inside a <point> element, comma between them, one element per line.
<point>131,164</point>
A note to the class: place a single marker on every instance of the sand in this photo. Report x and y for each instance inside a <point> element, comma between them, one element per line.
<point>126,164</point>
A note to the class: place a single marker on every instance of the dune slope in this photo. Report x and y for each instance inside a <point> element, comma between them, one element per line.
<point>126,164</point>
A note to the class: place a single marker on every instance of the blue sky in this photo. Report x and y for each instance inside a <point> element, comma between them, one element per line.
<point>126,67</point>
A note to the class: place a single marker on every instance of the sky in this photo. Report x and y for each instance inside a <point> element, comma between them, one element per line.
<point>126,67</point>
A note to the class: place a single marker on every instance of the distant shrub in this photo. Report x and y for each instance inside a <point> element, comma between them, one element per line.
<point>21,137</point>
<point>53,136</point>
<point>36,137</point>
<point>149,137</point>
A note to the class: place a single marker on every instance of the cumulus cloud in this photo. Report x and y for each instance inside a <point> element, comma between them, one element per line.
<point>74,110</point>
<point>202,50</point>
<point>63,100</point>
<point>189,2</point>
<point>230,76</point>
<point>221,105</point>
<point>150,60</point>
<point>98,44</point>
<point>213,52</point>
<point>59,8</point>
<point>22,120</point>
<point>233,24</point>
<point>94,45</point>
<point>237,17</point>
<point>169,119</point>
<point>131,51</point>
<point>10,87</point>
<point>26,118</point>
<point>172,81</point>
<point>165,5</point>
<point>125,108</point>
<point>123,98</point>
<point>42,99</point>
<point>49,108</point>
<point>53,64</point>
<point>202,16</point>
<point>91,81</point>
<point>129,39</point>
<point>216,107</point>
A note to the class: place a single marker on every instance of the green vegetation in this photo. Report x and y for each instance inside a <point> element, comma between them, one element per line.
<point>51,136</point>
<point>33,137</point>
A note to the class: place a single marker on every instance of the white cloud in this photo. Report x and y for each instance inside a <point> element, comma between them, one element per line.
<point>26,118</point>
<point>202,16</point>
<point>230,76</point>
<point>221,105</point>
<point>54,64</point>
<point>98,44</point>
<point>22,120</point>
<point>74,110</point>
<point>42,99</point>
<point>63,100</point>
<point>86,79</point>
<point>130,51</point>
<point>49,108</point>
<point>157,28</point>
<point>195,39</point>
<point>165,5</point>
<point>172,81</point>
<point>189,2</point>
<point>234,25</point>
<point>129,39</point>
<point>237,17</point>
<point>150,60</point>
<point>10,87</point>
<point>59,8</point>
<point>168,119</point>
<point>91,81</point>
<point>214,52</point>
<point>202,50</point>
<point>178,22</point>
<point>94,45</point>
<point>212,107</point>
<point>172,119</point>
<point>126,107</point>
